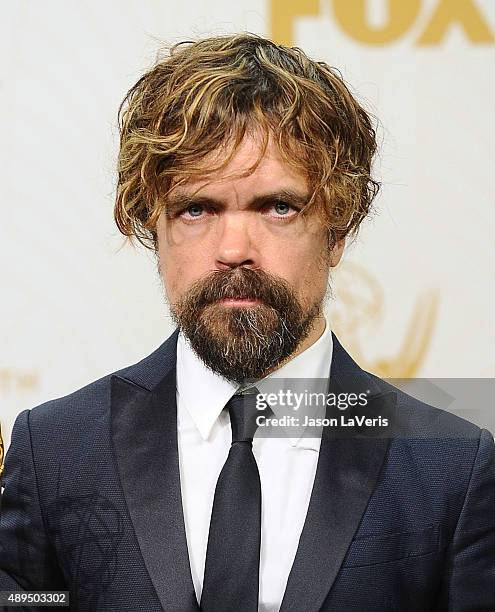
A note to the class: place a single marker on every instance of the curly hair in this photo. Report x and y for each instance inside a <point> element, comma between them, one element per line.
<point>209,94</point>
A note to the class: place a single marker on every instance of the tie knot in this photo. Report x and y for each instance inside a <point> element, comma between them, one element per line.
<point>243,412</point>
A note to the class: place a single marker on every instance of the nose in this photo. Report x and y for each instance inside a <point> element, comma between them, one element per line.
<point>235,242</point>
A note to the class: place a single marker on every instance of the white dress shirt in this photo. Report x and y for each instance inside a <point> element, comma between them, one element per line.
<point>286,464</point>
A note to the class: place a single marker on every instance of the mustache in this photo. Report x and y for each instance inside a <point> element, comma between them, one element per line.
<point>240,283</point>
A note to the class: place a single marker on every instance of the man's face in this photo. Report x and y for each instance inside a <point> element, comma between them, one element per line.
<point>244,273</point>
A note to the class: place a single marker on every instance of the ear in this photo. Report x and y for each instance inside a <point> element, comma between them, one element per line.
<point>336,252</point>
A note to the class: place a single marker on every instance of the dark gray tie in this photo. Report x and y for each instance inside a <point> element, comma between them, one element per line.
<point>231,575</point>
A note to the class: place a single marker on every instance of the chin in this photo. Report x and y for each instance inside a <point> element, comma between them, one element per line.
<point>222,320</point>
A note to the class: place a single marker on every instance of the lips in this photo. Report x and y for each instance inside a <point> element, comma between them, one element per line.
<point>239,301</point>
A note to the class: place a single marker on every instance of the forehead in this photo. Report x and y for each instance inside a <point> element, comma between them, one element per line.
<point>249,168</point>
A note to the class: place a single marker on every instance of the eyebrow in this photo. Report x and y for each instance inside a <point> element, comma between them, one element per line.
<point>178,201</point>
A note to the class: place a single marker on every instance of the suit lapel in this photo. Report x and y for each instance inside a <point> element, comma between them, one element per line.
<point>347,472</point>
<point>144,432</point>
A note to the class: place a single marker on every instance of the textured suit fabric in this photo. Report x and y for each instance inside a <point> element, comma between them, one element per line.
<point>424,538</point>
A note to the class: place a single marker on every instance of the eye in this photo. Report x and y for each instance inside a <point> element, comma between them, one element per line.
<point>194,210</point>
<point>282,210</point>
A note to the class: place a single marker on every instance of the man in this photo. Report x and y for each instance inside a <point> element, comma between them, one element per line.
<point>245,165</point>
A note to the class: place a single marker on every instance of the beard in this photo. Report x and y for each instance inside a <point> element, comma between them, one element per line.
<point>243,343</point>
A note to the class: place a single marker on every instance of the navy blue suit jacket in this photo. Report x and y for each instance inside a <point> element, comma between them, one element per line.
<point>92,503</point>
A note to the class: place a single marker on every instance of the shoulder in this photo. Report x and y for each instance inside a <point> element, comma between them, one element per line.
<point>438,442</point>
<point>425,420</point>
<point>418,419</point>
<point>92,402</point>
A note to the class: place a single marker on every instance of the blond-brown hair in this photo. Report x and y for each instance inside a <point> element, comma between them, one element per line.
<point>210,93</point>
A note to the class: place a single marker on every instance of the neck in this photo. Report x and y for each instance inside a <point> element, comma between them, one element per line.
<point>315,333</point>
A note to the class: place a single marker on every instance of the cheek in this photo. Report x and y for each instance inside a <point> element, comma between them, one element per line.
<point>304,264</point>
<point>312,269</point>
<point>171,269</point>
<point>308,255</point>
<point>180,269</point>
<point>172,278</point>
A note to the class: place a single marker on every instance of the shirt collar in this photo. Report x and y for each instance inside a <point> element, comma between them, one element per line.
<point>312,366</point>
<point>195,380</point>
